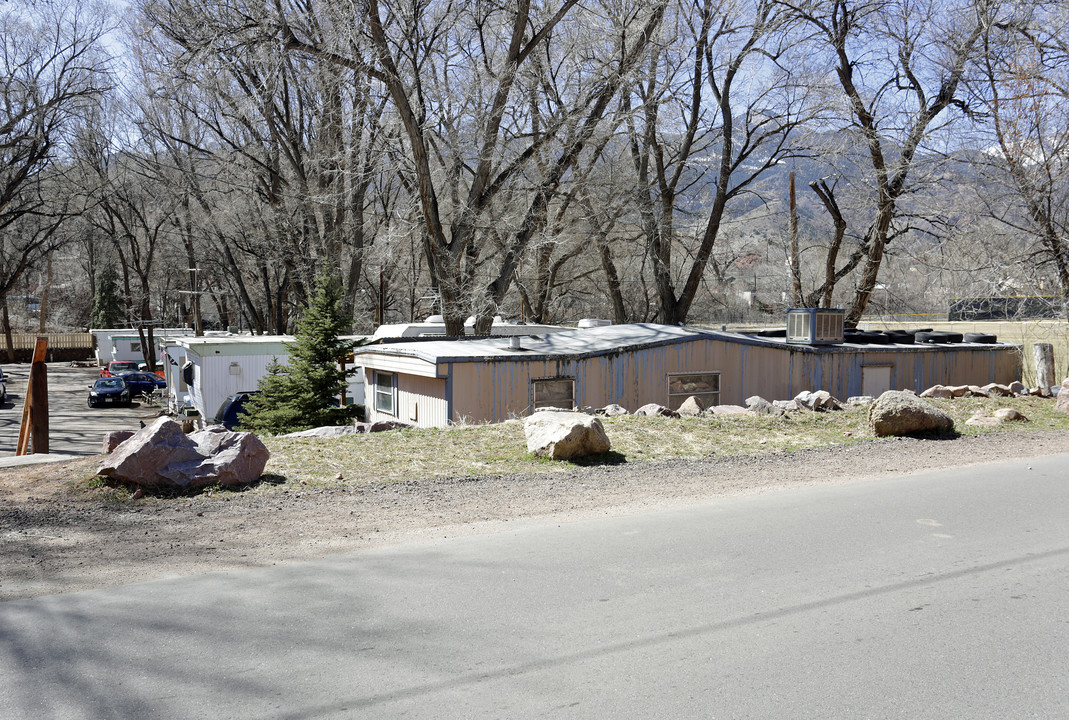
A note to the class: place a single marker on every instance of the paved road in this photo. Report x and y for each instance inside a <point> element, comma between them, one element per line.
<point>932,596</point>
<point>74,428</point>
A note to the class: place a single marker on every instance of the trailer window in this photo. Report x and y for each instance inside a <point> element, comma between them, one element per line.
<point>385,397</point>
<point>704,386</point>
<point>553,392</point>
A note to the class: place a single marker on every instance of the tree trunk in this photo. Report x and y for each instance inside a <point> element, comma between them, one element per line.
<point>45,294</point>
<point>796,264</point>
<point>7,333</point>
<point>1044,357</point>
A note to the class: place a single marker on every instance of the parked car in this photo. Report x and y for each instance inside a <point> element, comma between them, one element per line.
<point>143,383</point>
<point>230,412</point>
<point>109,391</point>
<point>117,367</point>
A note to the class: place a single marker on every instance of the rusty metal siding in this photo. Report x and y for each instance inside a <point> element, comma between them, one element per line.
<point>840,372</point>
<point>484,390</point>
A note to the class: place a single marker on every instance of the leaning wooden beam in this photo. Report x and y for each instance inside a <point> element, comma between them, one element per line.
<point>35,407</point>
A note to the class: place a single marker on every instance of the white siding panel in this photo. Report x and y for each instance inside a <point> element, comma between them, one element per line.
<point>422,410</point>
<point>213,380</point>
<point>420,402</point>
<point>398,364</point>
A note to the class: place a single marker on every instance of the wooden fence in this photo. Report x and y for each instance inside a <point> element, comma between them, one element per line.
<point>62,347</point>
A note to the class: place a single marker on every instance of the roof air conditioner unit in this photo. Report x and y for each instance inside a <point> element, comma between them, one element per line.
<point>815,326</point>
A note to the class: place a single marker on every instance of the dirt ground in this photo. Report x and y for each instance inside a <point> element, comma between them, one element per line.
<point>53,541</point>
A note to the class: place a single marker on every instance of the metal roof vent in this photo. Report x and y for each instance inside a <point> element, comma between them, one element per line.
<point>514,343</point>
<point>593,322</point>
<point>815,326</point>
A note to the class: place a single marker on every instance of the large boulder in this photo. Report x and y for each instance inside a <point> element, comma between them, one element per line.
<point>328,431</point>
<point>1000,416</point>
<point>691,407</point>
<point>227,458</point>
<point>612,410</point>
<point>900,413</point>
<point>388,425</point>
<point>161,455</point>
<point>726,410</point>
<point>981,419</point>
<point>757,404</point>
<point>940,392</point>
<point>565,435</point>
<point>997,390</point>
<point>655,410</point>
<point>819,401</point>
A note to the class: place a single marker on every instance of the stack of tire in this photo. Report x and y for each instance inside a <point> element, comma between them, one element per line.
<point>924,336</point>
<point>935,337</point>
<point>873,337</point>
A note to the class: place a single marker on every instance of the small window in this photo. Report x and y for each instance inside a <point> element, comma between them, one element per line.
<point>553,392</point>
<point>704,386</point>
<point>384,393</point>
<point>135,347</point>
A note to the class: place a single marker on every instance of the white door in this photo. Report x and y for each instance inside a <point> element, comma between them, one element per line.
<point>875,380</point>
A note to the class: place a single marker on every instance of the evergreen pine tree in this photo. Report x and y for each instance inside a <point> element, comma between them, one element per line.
<point>107,304</point>
<point>303,393</point>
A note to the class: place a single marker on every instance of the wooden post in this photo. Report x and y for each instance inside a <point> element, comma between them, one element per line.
<point>1044,356</point>
<point>39,409</point>
<point>35,406</point>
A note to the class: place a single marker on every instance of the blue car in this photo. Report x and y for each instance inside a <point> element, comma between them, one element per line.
<point>142,383</point>
<point>230,412</point>
<point>109,391</point>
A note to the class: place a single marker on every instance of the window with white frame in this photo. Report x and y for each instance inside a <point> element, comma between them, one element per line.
<point>704,386</point>
<point>553,392</point>
<point>385,395</point>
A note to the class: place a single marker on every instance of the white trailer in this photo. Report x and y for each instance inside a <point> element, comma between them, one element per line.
<point>205,370</point>
<point>125,343</point>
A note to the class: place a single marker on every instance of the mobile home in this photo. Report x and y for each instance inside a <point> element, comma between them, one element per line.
<point>202,371</point>
<point>439,382</point>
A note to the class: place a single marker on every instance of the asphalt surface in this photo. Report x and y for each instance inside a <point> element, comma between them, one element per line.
<point>74,428</point>
<point>929,596</point>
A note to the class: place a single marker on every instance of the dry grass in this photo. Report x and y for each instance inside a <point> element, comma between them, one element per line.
<point>500,449</point>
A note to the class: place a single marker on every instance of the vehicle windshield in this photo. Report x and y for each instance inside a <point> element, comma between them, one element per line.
<point>110,383</point>
<point>123,366</point>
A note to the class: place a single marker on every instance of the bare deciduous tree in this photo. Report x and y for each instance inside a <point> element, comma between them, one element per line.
<point>899,67</point>
<point>1024,90</point>
<point>52,70</point>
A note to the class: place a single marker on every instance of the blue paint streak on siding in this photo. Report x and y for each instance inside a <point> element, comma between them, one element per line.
<point>855,376</point>
<point>619,373</point>
<point>817,373</point>
<point>743,352</point>
<point>449,393</point>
